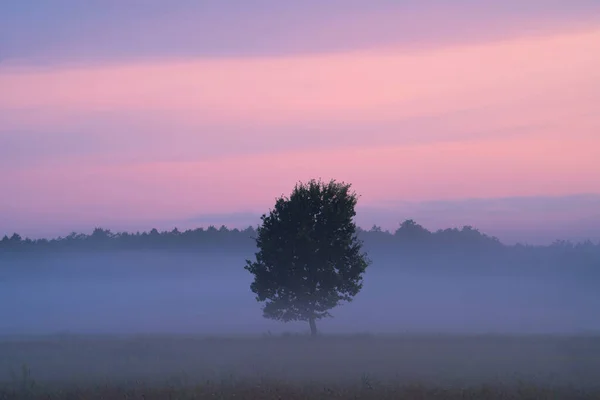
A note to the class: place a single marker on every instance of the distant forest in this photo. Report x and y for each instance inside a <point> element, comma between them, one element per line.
<point>409,240</point>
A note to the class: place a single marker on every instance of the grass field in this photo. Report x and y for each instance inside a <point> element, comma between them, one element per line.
<point>298,367</point>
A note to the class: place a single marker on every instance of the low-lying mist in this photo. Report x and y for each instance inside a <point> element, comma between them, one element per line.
<point>154,291</point>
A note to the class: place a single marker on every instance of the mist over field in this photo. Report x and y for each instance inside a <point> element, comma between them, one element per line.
<point>175,310</point>
<point>166,291</point>
<point>144,146</point>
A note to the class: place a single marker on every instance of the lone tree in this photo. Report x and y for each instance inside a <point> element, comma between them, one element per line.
<point>309,259</point>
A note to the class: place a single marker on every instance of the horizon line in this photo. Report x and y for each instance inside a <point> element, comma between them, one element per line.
<point>217,227</point>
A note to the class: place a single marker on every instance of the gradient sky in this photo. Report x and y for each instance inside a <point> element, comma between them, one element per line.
<point>128,114</point>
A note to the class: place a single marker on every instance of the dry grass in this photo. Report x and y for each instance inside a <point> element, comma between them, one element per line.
<point>275,390</point>
<point>350,367</point>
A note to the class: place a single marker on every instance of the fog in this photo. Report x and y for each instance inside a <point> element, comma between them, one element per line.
<point>132,292</point>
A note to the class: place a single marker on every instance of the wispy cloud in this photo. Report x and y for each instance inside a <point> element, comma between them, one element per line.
<point>194,110</point>
<point>508,167</point>
<point>68,30</point>
<point>154,110</point>
<point>530,220</point>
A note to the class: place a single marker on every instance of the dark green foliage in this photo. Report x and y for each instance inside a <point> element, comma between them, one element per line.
<point>309,258</point>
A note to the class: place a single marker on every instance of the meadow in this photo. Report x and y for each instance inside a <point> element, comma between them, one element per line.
<point>184,325</point>
<point>299,367</point>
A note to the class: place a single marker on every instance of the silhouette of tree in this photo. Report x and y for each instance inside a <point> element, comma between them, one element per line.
<point>309,259</point>
<point>413,234</point>
<point>376,228</point>
<point>410,244</point>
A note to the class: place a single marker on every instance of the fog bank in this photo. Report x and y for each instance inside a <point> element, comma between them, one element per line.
<point>164,292</point>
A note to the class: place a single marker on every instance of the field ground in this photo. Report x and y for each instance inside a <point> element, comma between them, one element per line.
<point>298,367</point>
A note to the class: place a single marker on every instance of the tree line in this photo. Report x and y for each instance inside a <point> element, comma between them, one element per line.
<point>309,256</point>
<point>409,237</point>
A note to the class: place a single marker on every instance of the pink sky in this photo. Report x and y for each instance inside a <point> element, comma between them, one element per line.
<point>173,137</point>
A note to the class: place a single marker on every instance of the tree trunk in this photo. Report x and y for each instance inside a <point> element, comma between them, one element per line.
<point>313,326</point>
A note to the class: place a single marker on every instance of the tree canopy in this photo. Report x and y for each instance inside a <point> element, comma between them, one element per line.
<point>309,257</point>
<point>409,246</point>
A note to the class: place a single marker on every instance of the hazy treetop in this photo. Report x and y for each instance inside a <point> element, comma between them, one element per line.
<point>408,238</point>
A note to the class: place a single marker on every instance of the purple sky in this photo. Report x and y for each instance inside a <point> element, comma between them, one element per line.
<point>150,113</point>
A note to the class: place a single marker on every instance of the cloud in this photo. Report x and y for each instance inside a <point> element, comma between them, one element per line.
<point>196,110</point>
<point>143,140</point>
<point>517,214</point>
<point>93,31</point>
<point>156,116</point>
<point>445,171</point>
<point>530,219</point>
